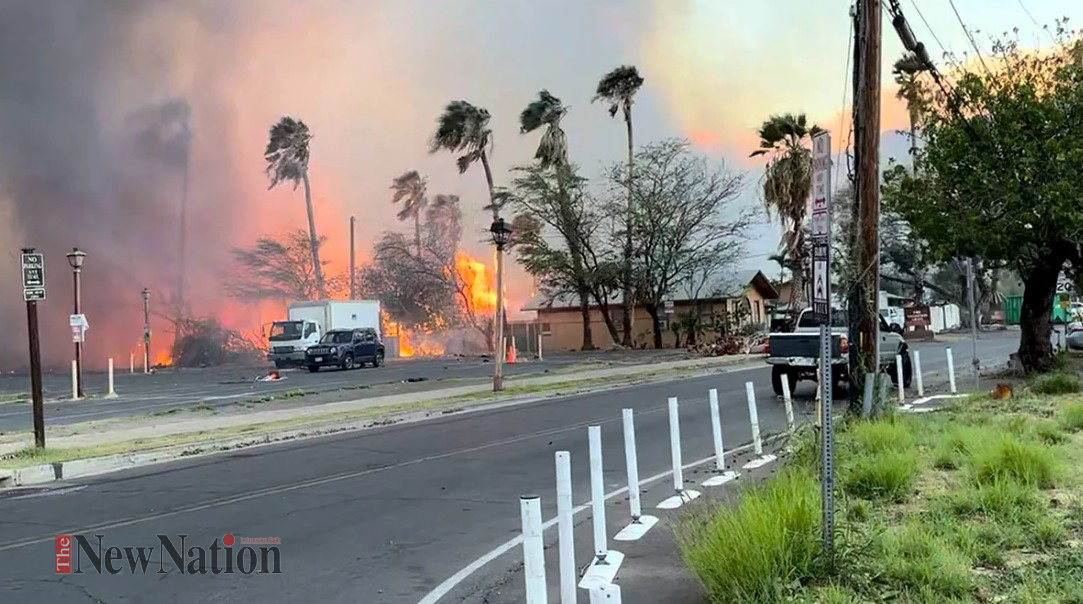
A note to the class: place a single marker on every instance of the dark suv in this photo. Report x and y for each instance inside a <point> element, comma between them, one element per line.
<point>346,349</point>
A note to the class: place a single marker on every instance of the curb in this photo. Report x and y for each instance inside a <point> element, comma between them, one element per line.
<point>94,466</point>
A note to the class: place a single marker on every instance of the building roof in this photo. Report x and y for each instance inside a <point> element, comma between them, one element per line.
<point>718,288</point>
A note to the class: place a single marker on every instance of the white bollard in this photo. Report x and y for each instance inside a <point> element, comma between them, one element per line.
<point>899,378</point>
<point>787,402</point>
<point>719,446</point>
<point>533,550</point>
<point>540,347</point>
<point>605,594</point>
<point>597,492</point>
<point>917,373</point>
<point>74,381</point>
<point>131,362</point>
<point>951,372</point>
<point>682,495</point>
<point>112,391</point>
<point>640,523</point>
<point>606,561</point>
<point>754,419</point>
<point>565,528</point>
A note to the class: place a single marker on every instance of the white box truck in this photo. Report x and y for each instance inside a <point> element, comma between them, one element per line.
<point>306,323</point>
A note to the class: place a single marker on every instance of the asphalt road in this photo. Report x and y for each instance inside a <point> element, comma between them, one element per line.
<point>380,516</point>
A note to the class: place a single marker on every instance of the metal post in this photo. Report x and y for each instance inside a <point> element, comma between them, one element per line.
<point>498,367</point>
<point>754,419</point>
<point>899,378</point>
<point>75,380</point>
<point>716,429</point>
<point>540,346</point>
<point>787,403</point>
<point>917,373</point>
<point>353,260</point>
<point>632,463</point>
<point>146,330</point>
<point>112,390</point>
<point>131,362</point>
<point>951,372</point>
<point>78,376</point>
<point>597,493</point>
<point>675,445</point>
<point>973,323</point>
<point>565,528</point>
<point>533,550</point>
<point>35,370</point>
<point>827,444</point>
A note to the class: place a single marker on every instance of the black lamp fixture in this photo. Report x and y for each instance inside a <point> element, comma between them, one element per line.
<point>76,257</point>
<point>501,233</point>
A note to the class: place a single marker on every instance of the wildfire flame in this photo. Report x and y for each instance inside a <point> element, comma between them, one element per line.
<point>478,282</point>
<point>162,358</point>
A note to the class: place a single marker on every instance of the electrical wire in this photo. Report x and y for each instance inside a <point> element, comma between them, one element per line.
<point>842,113</point>
<point>1035,22</point>
<point>929,27</point>
<point>968,36</point>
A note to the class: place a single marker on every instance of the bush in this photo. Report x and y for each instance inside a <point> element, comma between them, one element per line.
<point>1071,417</point>
<point>1058,382</point>
<point>756,550</point>
<point>1007,458</point>
<point>888,476</point>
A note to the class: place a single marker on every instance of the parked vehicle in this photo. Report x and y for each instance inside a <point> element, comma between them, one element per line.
<point>346,349</point>
<point>795,356</point>
<point>308,322</point>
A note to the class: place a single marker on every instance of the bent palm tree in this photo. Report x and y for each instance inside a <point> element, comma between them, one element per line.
<point>287,156</point>
<point>410,190</point>
<point>547,111</point>
<point>787,183</point>
<point>464,128</point>
<point>906,72</point>
<point>618,88</point>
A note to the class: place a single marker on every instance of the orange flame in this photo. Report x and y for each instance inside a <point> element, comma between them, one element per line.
<point>163,359</point>
<point>478,282</point>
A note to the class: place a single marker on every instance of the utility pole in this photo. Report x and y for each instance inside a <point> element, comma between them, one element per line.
<point>146,330</point>
<point>867,150</point>
<point>353,260</point>
<point>34,290</point>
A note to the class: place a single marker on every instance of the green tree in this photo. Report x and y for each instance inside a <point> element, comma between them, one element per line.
<point>787,185</point>
<point>1000,177</point>
<point>409,188</point>
<point>618,88</point>
<point>287,156</point>
<point>464,128</point>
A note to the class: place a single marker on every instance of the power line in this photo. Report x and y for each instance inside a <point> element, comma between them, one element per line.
<point>968,36</point>
<point>929,27</point>
<point>842,112</point>
<point>1034,21</point>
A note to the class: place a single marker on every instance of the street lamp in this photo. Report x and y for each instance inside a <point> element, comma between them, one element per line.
<point>75,259</point>
<point>146,330</point>
<point>501,232</point>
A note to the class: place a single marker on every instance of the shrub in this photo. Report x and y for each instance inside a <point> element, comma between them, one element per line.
<point>1058,382</point>
<point>755,551</point>
<point>1071,417</point>
<point>886,476</point>
<point>1010,459</point>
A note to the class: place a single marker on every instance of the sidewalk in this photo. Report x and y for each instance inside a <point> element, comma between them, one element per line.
<point>119,443</point>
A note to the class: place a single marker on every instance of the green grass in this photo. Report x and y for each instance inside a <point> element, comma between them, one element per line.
<point>888,476</point>
<point>1070,417</point>
<point>919,562</point>
<point>756,550</point>
<point>891,434</point>
<point>1008,458</point>
<point>1058,382</point>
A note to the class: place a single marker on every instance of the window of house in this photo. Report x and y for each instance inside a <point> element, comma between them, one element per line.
<point>546,329</point>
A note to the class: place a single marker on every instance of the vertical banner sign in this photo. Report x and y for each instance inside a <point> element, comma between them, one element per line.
<point>821,309</point>
<point>33,276</point>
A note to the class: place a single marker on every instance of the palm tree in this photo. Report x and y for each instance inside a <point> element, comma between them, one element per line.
<point>906,72</point>
<point>786,187</point>
<point>547,111</point>
<point>464,128</point>
<point>287,160</point>
<point>410,190</point>
<point>618,88</point>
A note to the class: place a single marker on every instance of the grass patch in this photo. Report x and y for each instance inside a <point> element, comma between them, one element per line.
<point>1070,417</point>
<point>1008,458</point>
<point>1058,382</point>
<point>920,563</point>
<point>887,476</point>
<point>891,434</point>
<point>757,550</point>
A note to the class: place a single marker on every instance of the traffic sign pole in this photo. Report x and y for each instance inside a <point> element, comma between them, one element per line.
<point>34,290</point>
<point>821,310</point>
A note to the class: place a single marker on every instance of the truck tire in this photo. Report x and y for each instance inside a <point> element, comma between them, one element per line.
<point>313,368</point>
<point>347,361</point>
<point>378,359</point>
<point>778,373</point>
<point>907,367</point>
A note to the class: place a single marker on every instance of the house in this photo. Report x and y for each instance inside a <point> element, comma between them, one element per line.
<point>745,296</point>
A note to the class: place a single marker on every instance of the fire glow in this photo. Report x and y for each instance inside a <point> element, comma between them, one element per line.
<point>478,284</point>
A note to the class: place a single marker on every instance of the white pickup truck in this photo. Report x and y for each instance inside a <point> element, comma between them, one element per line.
<point>795,356</point>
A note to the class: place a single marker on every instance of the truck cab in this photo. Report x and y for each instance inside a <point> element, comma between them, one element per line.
<point>288,341</point>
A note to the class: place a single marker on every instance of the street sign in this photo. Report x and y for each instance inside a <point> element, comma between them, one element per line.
<point>77,334</point>
<point>1065,302</point>
<point>821,310</point>
<point>79,326</point>
<point>668,302</point>
<point>33,276</point>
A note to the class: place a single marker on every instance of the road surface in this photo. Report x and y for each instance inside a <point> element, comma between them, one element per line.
<point>379,516</point>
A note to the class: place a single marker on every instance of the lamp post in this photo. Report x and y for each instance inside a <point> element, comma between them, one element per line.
<point>75,259</point>
<point>501,232</point>
<point>146,330</point>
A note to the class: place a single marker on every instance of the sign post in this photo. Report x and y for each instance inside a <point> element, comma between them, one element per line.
<point>821,310</point>
<point>34,290</point>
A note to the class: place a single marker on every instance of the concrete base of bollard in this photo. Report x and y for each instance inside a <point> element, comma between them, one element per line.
<point>676,501</point>
<point>721,479</point>
<point>759,462</point>
<point>602,574</point>
<point>636,530</point>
